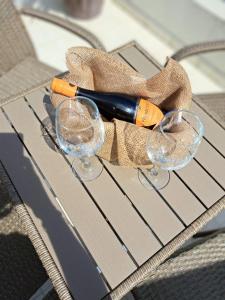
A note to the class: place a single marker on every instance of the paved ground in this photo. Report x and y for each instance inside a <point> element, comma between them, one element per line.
<point>207,23</point>
<point>115,26</point>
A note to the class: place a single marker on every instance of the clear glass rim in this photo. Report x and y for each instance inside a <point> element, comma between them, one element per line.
<point>81,97</point>
<point>98,115</point>
<point>91,102</point>
<point>168,114</point>
<point>70,99</point>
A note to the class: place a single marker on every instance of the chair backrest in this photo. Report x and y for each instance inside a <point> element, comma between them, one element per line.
<point>15,44</point>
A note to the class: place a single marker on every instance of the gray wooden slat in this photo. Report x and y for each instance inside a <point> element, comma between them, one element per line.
<point>115,205</point>
<point>157,214</point>
<point>182,200</point>
<point>213,131</point>
<point>201,183</point>
<point>114,262</point>
<point>73,261</point>
<point>129,226</point>
<point>136,59</point>
<point>214,163</point>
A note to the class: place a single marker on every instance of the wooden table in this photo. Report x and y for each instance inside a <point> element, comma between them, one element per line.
<point>106,234</point>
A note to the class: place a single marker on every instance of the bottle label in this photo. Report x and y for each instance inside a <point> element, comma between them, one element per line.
<point>148,114</point>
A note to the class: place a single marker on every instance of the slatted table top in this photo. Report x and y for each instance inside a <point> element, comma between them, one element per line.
<point>100,233</point>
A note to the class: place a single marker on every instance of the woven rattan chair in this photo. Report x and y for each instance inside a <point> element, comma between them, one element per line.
<point>195,273</point>
<point>20,70</point>
<point>213,103</point>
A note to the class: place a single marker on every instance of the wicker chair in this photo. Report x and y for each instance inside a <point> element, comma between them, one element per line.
<point>213,103</point>
<point>194,273</point>
<point>20,70</point>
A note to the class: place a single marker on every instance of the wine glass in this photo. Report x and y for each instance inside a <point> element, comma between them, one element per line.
<point>170,146</point>
<point>80,133</point>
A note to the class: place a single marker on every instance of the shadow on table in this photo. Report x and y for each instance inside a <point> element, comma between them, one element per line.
<point>41,204</point>
<point>21,270</point>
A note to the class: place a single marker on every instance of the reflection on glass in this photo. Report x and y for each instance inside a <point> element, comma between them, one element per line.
<point>80,133</point>
<point>170,146</point>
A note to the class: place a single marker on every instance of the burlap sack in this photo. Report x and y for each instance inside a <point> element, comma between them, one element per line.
<point>125,143</point>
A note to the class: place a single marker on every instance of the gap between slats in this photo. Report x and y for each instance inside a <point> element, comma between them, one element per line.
<point>96,264</point>
<point>174,238</point>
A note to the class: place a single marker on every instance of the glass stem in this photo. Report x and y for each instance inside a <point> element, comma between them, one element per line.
<point>154,171</point>
<point>85,162</point>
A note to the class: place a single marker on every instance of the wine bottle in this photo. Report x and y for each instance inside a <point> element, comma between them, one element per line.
<point>114,105</point>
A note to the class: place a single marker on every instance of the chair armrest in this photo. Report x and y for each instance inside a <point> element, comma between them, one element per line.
<point>196,271</point>
<point>198,48</point>
<point>74,28</point>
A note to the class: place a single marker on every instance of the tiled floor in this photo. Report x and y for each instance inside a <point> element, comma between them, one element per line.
<point>114,27</point>
<point>181,23</point>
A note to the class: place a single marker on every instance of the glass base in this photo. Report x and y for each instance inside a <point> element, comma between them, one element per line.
<point>87,169</point>
<point>152,180</point>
